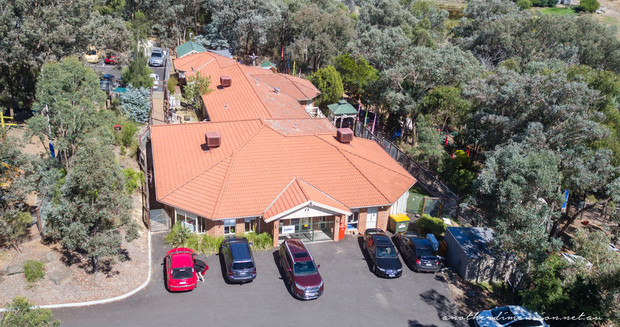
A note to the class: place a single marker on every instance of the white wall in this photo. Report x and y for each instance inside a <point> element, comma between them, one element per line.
<point>400,206</point>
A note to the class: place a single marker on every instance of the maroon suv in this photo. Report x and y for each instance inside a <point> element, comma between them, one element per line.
<point>303,276</point>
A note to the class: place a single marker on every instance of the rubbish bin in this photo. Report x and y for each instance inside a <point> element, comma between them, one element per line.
<point>398,223</point>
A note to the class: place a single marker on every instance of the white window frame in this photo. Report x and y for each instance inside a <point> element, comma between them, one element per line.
<point>228,223</point>
<point>353,219</point>
<point>248,220</point>
<point>185,215</point>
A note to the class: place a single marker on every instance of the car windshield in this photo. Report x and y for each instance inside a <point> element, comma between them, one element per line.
<point>243,265</point>
<point>182,273</point>
<point>386,252</point>
<point>503,315</point>
<point>304,268</point>
<point>156,54</point>
<point>91,52</point>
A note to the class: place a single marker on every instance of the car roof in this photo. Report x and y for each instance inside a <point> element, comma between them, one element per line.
<point>181,260</point>
<point>421,243</point>
<point>522,313</point>
<point>382,239</point>
<point>157,50</point>
<point>240,251</point>
<point>297,249</point>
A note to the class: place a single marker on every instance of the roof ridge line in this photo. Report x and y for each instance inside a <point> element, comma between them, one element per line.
<point>231,157</point>
<point>196,176</point>
<point>294,84</point>
<point>279,195</point>
<point>374,162</point>
<point>359,171</point>
<point>302,189</point>
<point>316,188</point>
<point>219,194</point>
<point>288,95</point>
<point>238,65</point>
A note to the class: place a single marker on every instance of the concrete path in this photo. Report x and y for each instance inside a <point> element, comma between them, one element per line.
<point>158,108</point>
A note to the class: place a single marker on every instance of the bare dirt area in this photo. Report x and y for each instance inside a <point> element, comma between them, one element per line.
<point>69,278</point>
<point>471,298</point>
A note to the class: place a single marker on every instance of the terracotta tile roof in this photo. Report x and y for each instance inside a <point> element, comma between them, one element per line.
<point>251,95</point>
<point>298,193</point>
<point>259,158</point>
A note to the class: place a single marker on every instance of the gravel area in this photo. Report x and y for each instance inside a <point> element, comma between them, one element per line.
<point>81,285</point>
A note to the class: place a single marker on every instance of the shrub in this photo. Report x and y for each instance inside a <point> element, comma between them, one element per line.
<point>178,235</point>
<point>133,180</point>
<point>22,313</point>
<point>589,5</point>
<point>136,103</point>
<point>433,225</point>
<point>172,83</point>
<point>262,241</point>
<point>34,270</point>
<point>129,130</point>
<point>524,4</point>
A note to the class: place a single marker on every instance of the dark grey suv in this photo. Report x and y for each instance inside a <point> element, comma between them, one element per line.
<point>238,260</point>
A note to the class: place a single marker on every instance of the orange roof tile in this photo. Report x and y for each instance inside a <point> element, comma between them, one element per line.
<point>258,159</point>
<point>251,95</point>
<point>297,194</point>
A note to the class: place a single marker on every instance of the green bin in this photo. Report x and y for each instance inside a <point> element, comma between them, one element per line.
<point>398,223</point>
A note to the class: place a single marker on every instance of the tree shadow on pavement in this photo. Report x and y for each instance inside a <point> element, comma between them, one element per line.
<point>415,323</point>
<point>446,309</point>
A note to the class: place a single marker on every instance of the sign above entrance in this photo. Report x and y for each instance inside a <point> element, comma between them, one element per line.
<point>288,229</point>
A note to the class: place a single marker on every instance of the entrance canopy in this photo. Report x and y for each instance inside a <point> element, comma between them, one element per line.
<point>300,199</point>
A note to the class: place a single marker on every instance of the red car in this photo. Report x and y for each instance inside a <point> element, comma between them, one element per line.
<point>111,59</point>
<point>303,276</point>
<point>182,269</point>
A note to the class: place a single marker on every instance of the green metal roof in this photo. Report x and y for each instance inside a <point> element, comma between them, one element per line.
<point>188,47</point>
<point>342,108</point>
<point>267,64</point>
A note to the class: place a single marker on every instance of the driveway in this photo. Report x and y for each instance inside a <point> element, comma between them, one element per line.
<point>353,297</point>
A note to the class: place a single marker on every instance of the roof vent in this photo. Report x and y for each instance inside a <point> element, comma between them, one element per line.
<point>276,90</point>
<point>344,135</point>
<point>212,139</point>
<point>225,81</point>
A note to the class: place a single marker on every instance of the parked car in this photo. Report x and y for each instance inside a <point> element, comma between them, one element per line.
<point>157,58</point>
<point>111,59</point>
<point>302,273</point>
<point>182,269</point>
<point>92,55</point>
<point>417,252</point>
<point>110,78</point>
<point>382,253</point>
<point>238,259</point>
<point>509,316</point>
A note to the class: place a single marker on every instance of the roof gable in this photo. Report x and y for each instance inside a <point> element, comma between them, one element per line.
<point>189,47</point>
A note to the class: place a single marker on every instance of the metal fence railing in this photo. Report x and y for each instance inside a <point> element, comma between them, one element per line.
<point>428,181</point>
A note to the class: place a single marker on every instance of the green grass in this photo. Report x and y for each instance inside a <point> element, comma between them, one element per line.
<point>559,11</point>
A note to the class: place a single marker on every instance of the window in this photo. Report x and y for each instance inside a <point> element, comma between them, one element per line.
<point>352,223</point>
<point>187,219</point>
<point>250,225</point>
<point>229,226</point>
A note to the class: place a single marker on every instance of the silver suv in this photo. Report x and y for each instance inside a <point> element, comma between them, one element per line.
<point>157,58</point>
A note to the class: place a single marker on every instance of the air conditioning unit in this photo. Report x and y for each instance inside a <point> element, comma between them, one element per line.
<point>225,81</point>
<point>213,139</point>
<point>344,135</point>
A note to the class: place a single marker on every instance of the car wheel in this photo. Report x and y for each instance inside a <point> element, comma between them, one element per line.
<point>291,288</point>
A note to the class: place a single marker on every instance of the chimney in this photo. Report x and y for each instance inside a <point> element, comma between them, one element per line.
<point>225,81</point>
<point>212,140</point>
<point>276,90</point>
<point>344,135</point>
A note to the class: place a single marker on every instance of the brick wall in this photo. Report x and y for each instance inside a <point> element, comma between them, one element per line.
<point>240,227</point>
<point>361,224</point>
<point>383,214</point>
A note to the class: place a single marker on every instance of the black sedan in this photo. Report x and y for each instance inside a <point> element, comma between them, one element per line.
<point>382,253</point>
<point>417,252</point>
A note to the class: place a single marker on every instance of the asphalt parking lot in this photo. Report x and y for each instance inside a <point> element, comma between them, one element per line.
<point>353,297</point>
